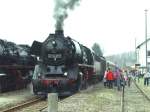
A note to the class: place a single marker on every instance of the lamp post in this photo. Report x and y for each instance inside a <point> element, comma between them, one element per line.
<point>146,35</point>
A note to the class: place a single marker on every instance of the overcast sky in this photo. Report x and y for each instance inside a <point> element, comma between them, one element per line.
<point>114,24</point>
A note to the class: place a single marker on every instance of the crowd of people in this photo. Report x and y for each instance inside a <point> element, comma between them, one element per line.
<point>145,75</point>
<point>119,78</point>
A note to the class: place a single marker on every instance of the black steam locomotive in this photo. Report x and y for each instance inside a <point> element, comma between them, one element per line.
<point>15,64</point>
<point>65,65</point>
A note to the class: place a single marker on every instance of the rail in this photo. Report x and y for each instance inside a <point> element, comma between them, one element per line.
<point>23,105</point>
<point>143,93</point>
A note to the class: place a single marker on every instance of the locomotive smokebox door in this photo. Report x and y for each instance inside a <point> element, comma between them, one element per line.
<point>36,48</point>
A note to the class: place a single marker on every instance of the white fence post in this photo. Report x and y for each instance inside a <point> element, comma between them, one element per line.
<point>52,102</point>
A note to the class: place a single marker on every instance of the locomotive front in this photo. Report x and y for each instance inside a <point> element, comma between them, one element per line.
<point>54,72</point>
<point>57,50</point>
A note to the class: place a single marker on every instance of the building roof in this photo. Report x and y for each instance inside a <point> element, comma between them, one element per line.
<point>138,47</point>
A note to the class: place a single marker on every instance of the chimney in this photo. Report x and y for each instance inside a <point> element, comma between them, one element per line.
<point>59,32</point>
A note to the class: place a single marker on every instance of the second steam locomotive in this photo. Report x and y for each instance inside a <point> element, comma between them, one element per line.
<point>16,66</point>
<point>65,66</point>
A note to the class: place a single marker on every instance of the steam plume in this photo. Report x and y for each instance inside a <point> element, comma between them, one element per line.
<point>60,11</point>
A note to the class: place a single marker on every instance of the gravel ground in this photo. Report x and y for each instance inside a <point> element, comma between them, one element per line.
<point>96,99</point>
<point>135,101</point>
<point>12,98</point>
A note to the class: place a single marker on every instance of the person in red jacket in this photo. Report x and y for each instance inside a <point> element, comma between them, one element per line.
<point>110,78</point>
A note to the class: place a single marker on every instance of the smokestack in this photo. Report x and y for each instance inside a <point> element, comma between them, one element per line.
<point>60,11</point>
<point>59,32</point>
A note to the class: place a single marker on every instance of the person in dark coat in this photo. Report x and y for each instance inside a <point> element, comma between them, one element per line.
<point>110,78</point>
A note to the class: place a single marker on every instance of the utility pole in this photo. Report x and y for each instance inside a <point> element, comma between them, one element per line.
<point>135,53</point>
<point>146,35</point>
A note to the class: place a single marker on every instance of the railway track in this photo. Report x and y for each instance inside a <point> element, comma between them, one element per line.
<point>23,105</point>
<point>138,93</point>
<point>143,93</point>
<point>29,103</point>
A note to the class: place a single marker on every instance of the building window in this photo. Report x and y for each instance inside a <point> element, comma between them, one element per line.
<point>148,53</point>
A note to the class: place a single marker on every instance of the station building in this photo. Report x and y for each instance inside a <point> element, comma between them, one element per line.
<point>141,55</point>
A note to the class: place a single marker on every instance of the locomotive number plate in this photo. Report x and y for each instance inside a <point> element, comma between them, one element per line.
<point>54,55</point>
